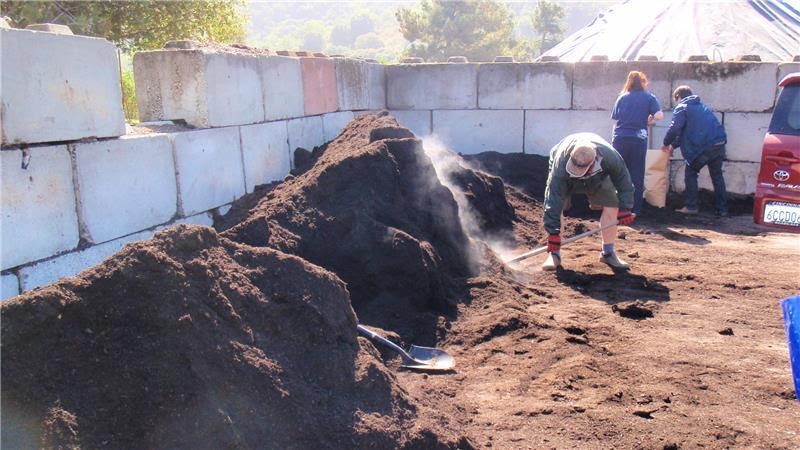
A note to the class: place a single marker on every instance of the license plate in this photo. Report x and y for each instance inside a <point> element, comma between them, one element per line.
<point>782,213</point>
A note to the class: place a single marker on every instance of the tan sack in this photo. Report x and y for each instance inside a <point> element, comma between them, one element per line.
<point>656,177</point>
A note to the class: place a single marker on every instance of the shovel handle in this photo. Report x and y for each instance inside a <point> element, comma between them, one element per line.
<point>378,338</point>
<point>565,241</point>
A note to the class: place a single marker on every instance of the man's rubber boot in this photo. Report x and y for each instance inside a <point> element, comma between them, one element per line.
<point>687,211</point>
<point>614,262</point>
<point>552,262</point>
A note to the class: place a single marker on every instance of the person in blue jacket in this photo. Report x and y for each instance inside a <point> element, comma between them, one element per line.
<point>634,111</point>
<point>701,138</point>
<point>584,163</point>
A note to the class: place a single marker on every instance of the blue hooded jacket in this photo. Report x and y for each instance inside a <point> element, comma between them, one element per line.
<point>694,128</point>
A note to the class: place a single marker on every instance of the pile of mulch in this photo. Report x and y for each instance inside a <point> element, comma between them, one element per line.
<point>195,339</point>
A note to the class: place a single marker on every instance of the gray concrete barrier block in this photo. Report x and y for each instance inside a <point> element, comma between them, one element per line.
<point>58,87</point>
<point>209,168</point>
<point>599,83</point>
<point>334,123</point>
<point>746,135</point>
<point>544,129</point>
<point>783,70</point>
<point>39,217</point>
<point>9,287</point>
<point>306,132</point>
<point>360,85</point>
<point>204,87</point>
<point>730,86</point>
<point>473,131</point>
<point>740,177</point>
<point>71,264</point>
<point>432,86</point>
<point>319,86</point>
<point>787,68</point>
<point>265,150</point>
<point>282,81</point>
<point>419,122</point>
<point>125,185</point>
<point>525,86</point>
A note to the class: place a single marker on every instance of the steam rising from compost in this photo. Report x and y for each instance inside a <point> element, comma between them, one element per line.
<point>446,164</point>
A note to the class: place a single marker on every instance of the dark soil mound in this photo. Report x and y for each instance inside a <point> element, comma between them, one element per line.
<point>190,340</point>
<point>372,210</point>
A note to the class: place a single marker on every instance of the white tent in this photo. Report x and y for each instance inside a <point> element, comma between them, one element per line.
<point>673,30</point>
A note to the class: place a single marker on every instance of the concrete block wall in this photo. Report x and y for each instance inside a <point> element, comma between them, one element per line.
<point>562,98</point>
<point>78,202</point>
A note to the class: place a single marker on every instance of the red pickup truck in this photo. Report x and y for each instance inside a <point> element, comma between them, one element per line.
<point>777,197</point>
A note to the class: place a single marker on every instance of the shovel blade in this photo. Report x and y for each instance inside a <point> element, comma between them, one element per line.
<point>427,358</point>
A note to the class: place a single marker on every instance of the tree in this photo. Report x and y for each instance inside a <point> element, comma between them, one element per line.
<point>138,24</point>
<point>547,21</point>
<point>477,29</point>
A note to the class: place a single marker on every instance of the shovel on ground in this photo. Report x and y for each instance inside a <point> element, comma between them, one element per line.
<point>417,358</point>
<point>565,241</point>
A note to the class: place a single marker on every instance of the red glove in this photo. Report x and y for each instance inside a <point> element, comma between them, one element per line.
<point>553,243</point>
<point>624,217</point>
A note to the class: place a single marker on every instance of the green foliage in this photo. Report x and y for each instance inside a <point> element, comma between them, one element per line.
<point>129,96</point>
<point>548,23</point>
<point>138,24</point>
<point>477,29</point>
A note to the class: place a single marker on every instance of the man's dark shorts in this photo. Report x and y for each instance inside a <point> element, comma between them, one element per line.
<point>605,196</point>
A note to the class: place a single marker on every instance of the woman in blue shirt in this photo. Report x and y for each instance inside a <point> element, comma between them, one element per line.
<point>634,110</point>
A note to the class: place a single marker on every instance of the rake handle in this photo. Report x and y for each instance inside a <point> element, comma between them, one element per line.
<point>565,241</point>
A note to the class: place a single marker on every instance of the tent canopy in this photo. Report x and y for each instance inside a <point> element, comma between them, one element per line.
<point>673,30</point>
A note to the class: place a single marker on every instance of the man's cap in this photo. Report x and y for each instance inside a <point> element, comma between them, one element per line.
<point>581,158</point>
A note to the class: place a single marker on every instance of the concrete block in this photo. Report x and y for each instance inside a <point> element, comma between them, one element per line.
<point>419,122</point>
<point>730,86</point>
<point>785,69</point>
<point>319,86</point>
<point>544,129</point>
<point>282,81</point>
<point>432,86</point>
<point>58,87</point>
<point>265,151</point>
<point>740,177</point>
<point>745,135</point>
<point>204,87</point>
<point>71,264</point>
<point>598,83</point>
<point>306,132</point>
<point>209,168</point>
<point>525,86</point>
<point>9,287</point>
<point>39,216</point>
<point>334,123</point>
<point>360,85</point>
<point>126,185</point>
<point>477,131</point>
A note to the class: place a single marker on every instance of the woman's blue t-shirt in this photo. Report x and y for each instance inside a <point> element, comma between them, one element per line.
<point>631,110</point>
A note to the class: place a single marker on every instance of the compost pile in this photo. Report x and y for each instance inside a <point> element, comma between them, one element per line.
<point>194,339</point>
<point>244,336</point>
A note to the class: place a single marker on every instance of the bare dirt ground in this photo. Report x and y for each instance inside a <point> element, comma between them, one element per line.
<point>244,336</point>
<point>687,350</point>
